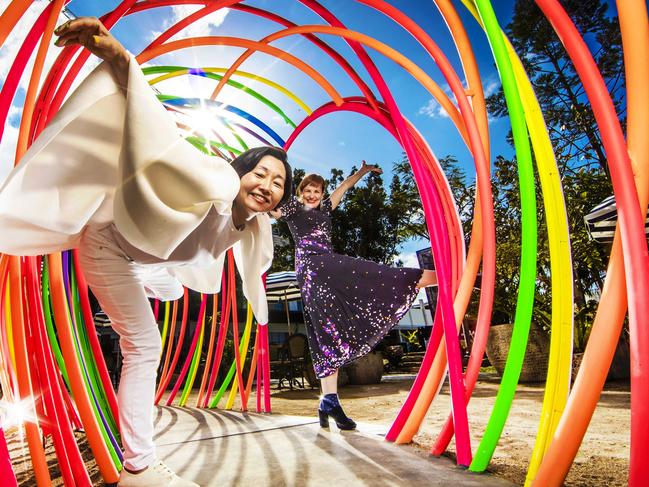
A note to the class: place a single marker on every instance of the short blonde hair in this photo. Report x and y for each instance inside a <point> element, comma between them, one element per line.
<point>314,179</point>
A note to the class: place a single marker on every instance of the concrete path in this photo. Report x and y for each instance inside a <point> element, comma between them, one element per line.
<point>223,448</point>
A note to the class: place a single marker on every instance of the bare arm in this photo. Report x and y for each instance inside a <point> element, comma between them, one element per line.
<point>349,183</point>
<point>276,213</point>
<point>90,33</point>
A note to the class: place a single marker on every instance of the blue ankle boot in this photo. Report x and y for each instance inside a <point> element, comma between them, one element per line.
<point>330,406</point>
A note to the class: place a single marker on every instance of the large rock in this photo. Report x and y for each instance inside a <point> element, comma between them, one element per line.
<point>535,365</point>
<point>366,370</point>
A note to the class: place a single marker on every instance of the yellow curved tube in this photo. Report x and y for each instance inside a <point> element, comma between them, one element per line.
<point>557,385</point>
<point>246,341</point>
<point>243,74</point>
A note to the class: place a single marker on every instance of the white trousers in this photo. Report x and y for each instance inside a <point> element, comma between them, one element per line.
<point>122,288</point>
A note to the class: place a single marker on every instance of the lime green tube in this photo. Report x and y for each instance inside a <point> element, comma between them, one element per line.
<point>557,385</point>
<point>193,368</point>
<point>165,326</point>
<point>74,322</point>
<point>235,84</point>
<point>560,358</point>
<point>236,135</point>
<point>228,378</point>
<point>173,71</point>
<point>49,324</point>
<point>243,352</point>
<point>201,142</point>
<point>525,299</point>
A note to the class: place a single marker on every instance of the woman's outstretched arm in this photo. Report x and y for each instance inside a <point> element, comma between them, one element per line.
<point>91,34</point>
<point>349,183</point>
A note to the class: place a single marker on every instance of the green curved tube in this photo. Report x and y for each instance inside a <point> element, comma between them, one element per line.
<point>234,84</point>
<point>87,357</point>
<point>193,367</point>
<point>228,378</point>
<point>49,324</point>
<point>526,287</point>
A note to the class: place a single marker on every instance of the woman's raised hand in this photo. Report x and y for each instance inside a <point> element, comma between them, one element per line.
<point>371,168</point>
<point>91,34</point>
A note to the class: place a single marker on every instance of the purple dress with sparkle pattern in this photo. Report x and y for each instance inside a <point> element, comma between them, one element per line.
<point>350,304</point>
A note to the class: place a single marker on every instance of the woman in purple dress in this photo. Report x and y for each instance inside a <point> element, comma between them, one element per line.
<point>350,304</point>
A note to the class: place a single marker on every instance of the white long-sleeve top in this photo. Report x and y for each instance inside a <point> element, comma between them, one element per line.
<point>114,157</point>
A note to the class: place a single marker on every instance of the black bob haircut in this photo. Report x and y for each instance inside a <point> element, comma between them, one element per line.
<point>248,160</point>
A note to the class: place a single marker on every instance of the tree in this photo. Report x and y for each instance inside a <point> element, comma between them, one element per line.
<point>584,188</point>
<point>406,202</point>
<point>363,223</point>
<point>283,248</point>
<point>363,227</point>
<point>561,94</point>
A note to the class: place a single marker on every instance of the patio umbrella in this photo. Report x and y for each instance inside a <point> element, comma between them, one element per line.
<point>602,220</point>
<point>283,286</point>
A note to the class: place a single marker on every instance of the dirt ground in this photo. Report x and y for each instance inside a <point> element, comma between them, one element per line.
<point>603,459</point>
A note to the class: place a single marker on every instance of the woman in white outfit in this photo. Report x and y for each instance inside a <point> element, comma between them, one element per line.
<point>149,214</point>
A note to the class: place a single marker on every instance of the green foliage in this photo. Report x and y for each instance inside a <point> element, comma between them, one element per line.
<point>580,155</point>
<point>583,189</point>
<point>561,94</point>
<point>362,223</point>
<point>365,223</point>
<point>406,203</point>
<point>412,338</point>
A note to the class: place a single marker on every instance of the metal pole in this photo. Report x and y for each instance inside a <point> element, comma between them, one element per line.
<point>288,315</point>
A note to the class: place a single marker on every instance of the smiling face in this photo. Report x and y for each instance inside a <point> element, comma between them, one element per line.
<point>311,195</point>
<point>263,187</point>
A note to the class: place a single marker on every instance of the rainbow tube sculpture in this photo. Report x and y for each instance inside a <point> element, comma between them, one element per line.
<point>50,360</point>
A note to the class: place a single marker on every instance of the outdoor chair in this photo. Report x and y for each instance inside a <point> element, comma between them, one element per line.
<point>279,363</point>
<point>296,352</point>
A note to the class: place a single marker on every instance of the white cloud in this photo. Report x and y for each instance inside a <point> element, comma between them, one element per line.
<point>433,109</point>
<point>490,86</point>
<point>202,27</point>
<point>13,42</point>
<point>409,259</point>
<point>7,151</point>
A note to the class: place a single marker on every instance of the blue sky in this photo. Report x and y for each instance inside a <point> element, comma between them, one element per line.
<point>340,140</point>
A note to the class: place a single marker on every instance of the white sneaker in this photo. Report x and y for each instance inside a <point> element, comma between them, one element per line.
<point>157,475</point>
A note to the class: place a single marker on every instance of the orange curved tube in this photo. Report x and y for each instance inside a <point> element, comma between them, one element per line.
<point>437,371</point>
<point>22,366</point>
<point>25,386</point>
<point>384,49</point>
<point>238,42</point>
<point>210,346</point>
<point>30,96</point>
<point>81,398</point>
<point>608,321</point>
<point>7,374</point>
<point>11,16</point>
<point>217,5</point>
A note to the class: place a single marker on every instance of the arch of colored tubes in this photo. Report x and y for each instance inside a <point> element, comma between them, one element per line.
<point>44,309</point>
